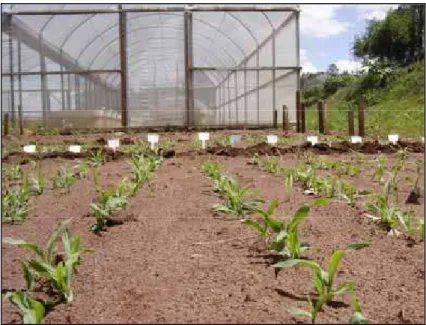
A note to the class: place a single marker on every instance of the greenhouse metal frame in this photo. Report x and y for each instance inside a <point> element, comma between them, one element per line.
<point>107,66</point>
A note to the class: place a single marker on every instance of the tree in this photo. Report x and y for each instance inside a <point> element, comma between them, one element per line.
<point>399,37</point>
<point>333,69</point>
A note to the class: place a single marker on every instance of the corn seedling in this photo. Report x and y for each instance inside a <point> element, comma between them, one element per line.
<point>253,139</point>
<point>97,158</point>
<point>64,178</point>
<point>166,144</point>
<point>357,317</point>
<point>269,164</point>
<point>390,216</point>
<point>323,281</point>
<point>283,236</point>
<point>82,169</point>
<point>288,175</point>
<point>239,200</point>
<point>143,170</point>
<point>37,182</point>
<point>211,169</point>
<point>380,171</point>
<point>421,228</point>
<point>223,183</point>
<point>110,201</point>
<point>32,310</point>
<point>223,141</point>
<point>197,144</point>
<point>44,265</point>
<point>14,203</point>
<point>12,173</point>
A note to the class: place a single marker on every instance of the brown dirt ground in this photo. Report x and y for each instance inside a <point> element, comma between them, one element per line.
<point>173,261</point>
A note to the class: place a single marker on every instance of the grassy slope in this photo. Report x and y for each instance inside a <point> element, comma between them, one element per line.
<point>399,107</point>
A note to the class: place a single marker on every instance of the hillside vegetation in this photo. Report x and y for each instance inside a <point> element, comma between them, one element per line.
<point>394,101</point>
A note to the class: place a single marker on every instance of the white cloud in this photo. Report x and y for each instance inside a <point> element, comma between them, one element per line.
<point>349,66</point>
<point>320,21</point>
<point>370,12</point>
<point>307,65</point>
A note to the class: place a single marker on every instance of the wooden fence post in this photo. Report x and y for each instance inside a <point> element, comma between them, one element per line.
<point>297,111</point>
<point>361,130</point>
<point>6,124</point>
<point>351,123</point>
<point>302,118</point>
<point>275,121</point>
<point>21,123</point>
<point>285,118</point>
<point>321,117</point>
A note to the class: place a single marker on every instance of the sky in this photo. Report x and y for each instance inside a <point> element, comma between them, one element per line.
<point>328,33</point>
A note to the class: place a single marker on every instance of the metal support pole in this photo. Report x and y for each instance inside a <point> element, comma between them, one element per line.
<point>62,90</point>
<point>44,96</point>
<point>257,89</point>
<point>20,84</point>
<point>77,92</point>
<point>298,100</point>
<point>229,102</point>
<point>361,131</point>
<point>86,94</point>
<point>236,95</point>
<point>188,69</point>
<point>274,108</point>
<point>69,93</point>
<point>177,89</point>
<point>12,82</point>
<point>219,106</point>
<point>245,97</point>
<point>123,65</point>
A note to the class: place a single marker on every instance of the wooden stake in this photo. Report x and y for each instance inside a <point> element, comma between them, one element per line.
<point>298,111</point>
<point>321,117</point>
<point>275,121</point>
<point>285,118</point>
<point>6,124</point>
<point>302,118</point>
<point>21,126</point>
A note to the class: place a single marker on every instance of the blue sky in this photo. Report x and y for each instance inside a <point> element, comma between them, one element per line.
<point>328,32</point>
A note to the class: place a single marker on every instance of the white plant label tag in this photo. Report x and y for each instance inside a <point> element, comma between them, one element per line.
<point>234,138</point>
<point>423,139</point>
<point>114,143</point>
<point>30,148</point>
<point>272,139</point>
<point>203,136</point>
<point>153,139</point>
<point>313,139</point>
<point>393,138</point>
<point>75,149</point>
<point>356,139</point>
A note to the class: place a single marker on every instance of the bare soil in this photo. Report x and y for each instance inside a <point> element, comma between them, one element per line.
<point>172,260</point>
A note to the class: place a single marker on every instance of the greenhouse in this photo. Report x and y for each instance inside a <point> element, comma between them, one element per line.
<point>107,66</point>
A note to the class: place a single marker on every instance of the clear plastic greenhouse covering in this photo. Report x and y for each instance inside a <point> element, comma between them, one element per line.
<point>80,65</point>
